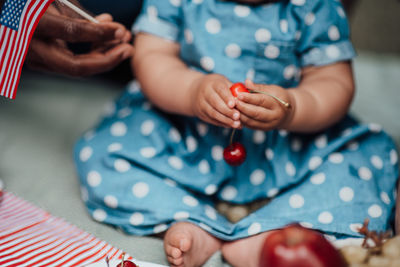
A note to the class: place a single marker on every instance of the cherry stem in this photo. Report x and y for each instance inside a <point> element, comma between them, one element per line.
<point>123,256</point>
<point>284,103</point>
<point>232,134</point>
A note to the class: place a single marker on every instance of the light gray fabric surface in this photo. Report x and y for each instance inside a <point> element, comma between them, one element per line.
<point>40,127</point>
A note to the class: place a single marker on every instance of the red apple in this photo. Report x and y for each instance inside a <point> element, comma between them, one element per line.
<point>296,246</point>
<point>235,154</point>
<point>238,88</point>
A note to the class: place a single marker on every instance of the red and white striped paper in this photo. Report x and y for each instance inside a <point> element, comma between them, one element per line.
<point>30,236</point>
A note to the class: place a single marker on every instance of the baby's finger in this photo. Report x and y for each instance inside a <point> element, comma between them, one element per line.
<point>225,94</point>
<point>214,115</point>
<point>220,105</point>
<point>257,99</point>
<point>255,124</point>
<point>255,112</point>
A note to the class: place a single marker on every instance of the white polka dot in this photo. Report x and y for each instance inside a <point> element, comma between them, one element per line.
<point>137,218</point>
<point>233,51</point>
<point>355,227</point>
<point>85,153</point>
<point>152,12</point>
<point>93,178</point>
<point>125,112</point>
<point>314,162</point>
<point>114,147</point>
<point>377,162</point>
<point>210,212</point>
<point>296,201</point>
<point>347,132</point>
<point>289,72</point>
<point>341,12</point>
<point>160,228</point>
<point>284,25</point>
<point>175,2</point>
<point>385,198</point>
<point>211,189</point>
<point>251,73</point>
<point>325,217</point>
<point>262,35</point>
<point>346,194</point>
<point>174,135</point>
<point>99,215</point>
<point>202,129</point>
<point>254,228</point>
<point>89,135</point>
<point>269,154</point>
<point>242,11</point>
<point>190,201</point>
<point>84,193</point>
<point>111,201</point>
<point>259,137</point>
<point>290,169</point>
<point>175,162</point>
<point>134,87</point>
<point>170,182</point>
<point>197,1</point>
<point>353,146</point>
<point>283,133</point>
<point>271,51</point>
<point>257,177</point>
<point>148,152</point>
<point>298,2</point>
<point>296,144</point>
<point>191,143</point>
<point>229,193</point>
<point>333,33</point>
<point>204,167</point>
<point>118,129</point>
<point>147,127</point>
<point>375,128</point>
<point>365,173</point>
<point>188,36</point>
<point>321,141</point>
<point>318,178</point>
<point>272,192</point>
<point>217,153</point>
<point>140,189</point>
<point>375,211</point>
<point>306,224</point>
<point>213,26</point>
<point>205,227</point>
<point>309,19</point>
<point>207,63</point>
<point>332,51</point>
<point>122,165</point>
<point>393,157</point>
<point>181,215</point>
<point>336,158</point>
<point>297,35</point>
<point>146,105</point>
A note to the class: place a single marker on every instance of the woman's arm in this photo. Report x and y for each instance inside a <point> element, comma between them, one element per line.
<point>322,98</point>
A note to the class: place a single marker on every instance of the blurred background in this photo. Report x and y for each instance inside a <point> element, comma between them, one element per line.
<point>39,129</point>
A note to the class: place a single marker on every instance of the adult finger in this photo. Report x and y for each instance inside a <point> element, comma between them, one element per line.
<point>78,30</point>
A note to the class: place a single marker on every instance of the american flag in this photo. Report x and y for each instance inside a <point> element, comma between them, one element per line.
<point>18,20</point>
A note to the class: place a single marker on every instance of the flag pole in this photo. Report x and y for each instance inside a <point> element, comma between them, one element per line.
<point>79,11</point>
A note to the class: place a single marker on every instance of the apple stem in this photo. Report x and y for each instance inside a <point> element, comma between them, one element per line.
<point>232,134</point>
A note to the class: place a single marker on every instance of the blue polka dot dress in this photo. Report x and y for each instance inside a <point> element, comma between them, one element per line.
<point>142,170</point>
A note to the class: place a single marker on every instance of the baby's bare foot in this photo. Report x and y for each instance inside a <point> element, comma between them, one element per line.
<point>244,252</point>
<point>187,245</point>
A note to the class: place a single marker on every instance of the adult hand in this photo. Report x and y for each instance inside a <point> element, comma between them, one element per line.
<point>214,103</point>
<point>261,111</point>
<point>48,50</point>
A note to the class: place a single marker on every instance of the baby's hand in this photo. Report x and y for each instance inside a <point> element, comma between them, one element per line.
<point>214,103</point>
<point>263,112</point>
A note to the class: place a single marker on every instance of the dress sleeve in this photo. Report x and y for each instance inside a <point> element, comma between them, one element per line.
<point>325,34</point>
<point>160,17</point>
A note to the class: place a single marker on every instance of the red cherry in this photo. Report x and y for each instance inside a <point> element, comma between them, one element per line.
<point>235,154</point>
<point>127,264</point>
<point>238,88</point>
<point>297,246</point>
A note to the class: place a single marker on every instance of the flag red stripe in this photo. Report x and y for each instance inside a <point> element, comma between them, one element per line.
<point>3,53</point>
